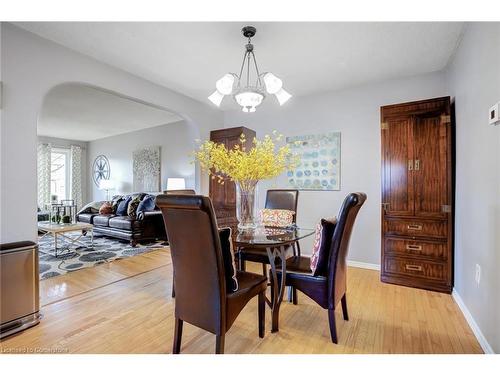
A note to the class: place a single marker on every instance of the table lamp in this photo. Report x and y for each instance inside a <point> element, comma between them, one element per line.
<point>176,183</point>
<point>107,185</point>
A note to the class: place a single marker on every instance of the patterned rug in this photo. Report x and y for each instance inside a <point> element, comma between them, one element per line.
<point>105,250</point>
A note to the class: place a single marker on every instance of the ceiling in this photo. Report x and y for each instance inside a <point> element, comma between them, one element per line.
<point>310,57</point>
<point>83,113</point>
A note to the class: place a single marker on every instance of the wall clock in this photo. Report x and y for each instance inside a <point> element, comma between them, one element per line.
<point>100,169</point>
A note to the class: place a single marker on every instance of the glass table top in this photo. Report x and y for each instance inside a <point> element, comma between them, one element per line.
<point>271,236</point>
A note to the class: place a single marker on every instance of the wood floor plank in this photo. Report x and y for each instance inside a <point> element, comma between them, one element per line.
<point>126,307</point>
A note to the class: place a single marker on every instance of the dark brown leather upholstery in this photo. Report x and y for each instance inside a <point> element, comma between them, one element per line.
<point>201,295</point>
<point>124,222</point>
<point>147,226</point>
<point>103,220</point>
<point>330,290</point>
<point>278,199</point>
<point>180,192</point>
<point>86,218</point>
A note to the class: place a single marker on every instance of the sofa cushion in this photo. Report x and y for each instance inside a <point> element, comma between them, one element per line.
<point>86,218</point>
<point>115,201</point>
<point>106,208</point>
<point>102,220</point>
<point>147,204</point>
<point>124,222</point>
<point>132,207</point>
<point>121,210</point>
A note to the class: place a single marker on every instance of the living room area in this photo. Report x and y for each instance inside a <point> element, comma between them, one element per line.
<point>250,187</point>
<point>94,149</point>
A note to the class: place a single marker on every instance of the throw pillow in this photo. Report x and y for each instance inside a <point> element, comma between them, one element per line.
<point>106,209</point>
<point>276,218</point>
<point>132,207</point>
<point>91,208</point>
<point>115,201</point>
<point>321,247</point>
<point>228,257</point>
<point>146,205</point>
<point>121,210</point>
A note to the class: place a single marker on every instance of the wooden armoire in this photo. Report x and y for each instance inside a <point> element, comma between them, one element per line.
<point>417,194</point>
<point>224,196</point>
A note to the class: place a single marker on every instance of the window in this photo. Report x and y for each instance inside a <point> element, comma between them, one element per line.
<point>60,173</point>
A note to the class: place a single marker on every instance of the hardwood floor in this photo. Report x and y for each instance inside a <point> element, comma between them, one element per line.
<point>125,307</point>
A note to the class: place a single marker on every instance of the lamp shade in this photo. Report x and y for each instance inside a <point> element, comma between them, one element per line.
<point>107,185</point>
<point>176,183</point>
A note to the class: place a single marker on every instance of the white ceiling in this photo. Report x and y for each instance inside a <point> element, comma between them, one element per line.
<point>83,113</point>
<point>310,57</point>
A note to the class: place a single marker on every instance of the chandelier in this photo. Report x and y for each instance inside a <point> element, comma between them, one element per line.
<point>249,90</point>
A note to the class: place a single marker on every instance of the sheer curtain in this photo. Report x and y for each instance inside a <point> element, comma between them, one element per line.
<point>43,174</point>
<point>76,175</point>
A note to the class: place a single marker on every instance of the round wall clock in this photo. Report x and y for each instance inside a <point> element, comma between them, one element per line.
<point>100,169</point>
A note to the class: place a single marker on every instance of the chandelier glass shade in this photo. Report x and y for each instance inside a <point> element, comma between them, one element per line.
<point>249,88</point>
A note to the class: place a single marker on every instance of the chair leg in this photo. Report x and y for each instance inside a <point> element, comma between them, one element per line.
<point>292,295</point>
<point>219,344</point>
<point>173,288</point>
<point>264,269</point>
<point>344,307</point>
<point>333,328</point>
<point>177,336</point>
<point>262,313</point>
<point>241,264</point>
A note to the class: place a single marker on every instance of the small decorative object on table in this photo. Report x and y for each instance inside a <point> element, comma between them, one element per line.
<point>246,167</point>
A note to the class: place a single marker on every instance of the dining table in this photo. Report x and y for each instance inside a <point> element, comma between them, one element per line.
<point>277,242</point>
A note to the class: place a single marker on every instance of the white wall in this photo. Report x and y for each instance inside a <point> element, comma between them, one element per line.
<point>176,144</point>
<point>66,143</point>
<point>356,114</point>
<point>31,66</point>
<point>474,80</point>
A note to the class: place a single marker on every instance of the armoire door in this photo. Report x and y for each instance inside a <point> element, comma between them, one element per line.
<point>431,136</point>
<point>397,167</point>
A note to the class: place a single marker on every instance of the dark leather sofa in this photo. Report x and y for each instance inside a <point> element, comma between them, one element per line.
<point>147,226</point>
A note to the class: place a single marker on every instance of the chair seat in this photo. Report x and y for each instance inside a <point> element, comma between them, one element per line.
<point>249,285</point>
<point>299,276</point>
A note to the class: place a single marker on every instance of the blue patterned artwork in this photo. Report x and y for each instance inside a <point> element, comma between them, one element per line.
<point>319,161</point>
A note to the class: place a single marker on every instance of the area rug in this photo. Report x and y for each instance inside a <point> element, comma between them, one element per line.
<point>105,250</point>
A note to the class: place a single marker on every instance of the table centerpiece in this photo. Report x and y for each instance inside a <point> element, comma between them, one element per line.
<point>246,167</point>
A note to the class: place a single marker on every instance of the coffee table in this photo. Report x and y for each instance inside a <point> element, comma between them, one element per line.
<point>61,232</point>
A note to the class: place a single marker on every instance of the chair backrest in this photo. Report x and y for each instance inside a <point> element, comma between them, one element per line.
<point>337,263</point>
<point>180,192</point>
<point>200,290</point>
<point>283,199</point>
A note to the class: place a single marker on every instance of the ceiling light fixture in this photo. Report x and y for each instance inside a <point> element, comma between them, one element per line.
<point>248,91</point>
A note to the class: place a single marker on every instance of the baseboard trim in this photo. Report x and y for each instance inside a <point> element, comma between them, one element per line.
<point>472,323</point>
<point>368,266</point>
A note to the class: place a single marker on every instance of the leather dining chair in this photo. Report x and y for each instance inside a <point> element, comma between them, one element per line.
<point>327,289</point>
<point>178,192</point>
<point>282,199</point>
<point>202,298</point>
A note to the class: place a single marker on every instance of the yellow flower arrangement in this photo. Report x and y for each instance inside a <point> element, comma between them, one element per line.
<point>262,161</point>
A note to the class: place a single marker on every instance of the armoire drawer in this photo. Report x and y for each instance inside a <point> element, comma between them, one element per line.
<point>415,268</point>
<point>401,246</point>
<point>415,227</point>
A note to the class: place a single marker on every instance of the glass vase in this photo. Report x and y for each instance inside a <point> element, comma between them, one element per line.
<point>246,204</point>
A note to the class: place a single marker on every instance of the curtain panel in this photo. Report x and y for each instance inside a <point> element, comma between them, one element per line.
<point>43,174</point>
<point>76,175</point>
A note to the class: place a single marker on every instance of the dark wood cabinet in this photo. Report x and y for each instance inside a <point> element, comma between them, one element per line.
<point>224,195</point>
<point>417,194</point>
